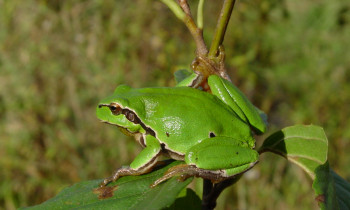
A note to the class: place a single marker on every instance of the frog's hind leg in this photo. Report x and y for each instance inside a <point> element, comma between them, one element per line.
<point>216,159</point>
<point>185,171</point>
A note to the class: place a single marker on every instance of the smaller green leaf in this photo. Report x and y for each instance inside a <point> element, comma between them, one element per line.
<point>181,75</point>
<point>129,192</point>
<point>306,146</point>
<point>332,191</point>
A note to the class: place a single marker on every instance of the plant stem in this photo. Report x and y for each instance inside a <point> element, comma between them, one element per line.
<point>198,37</point>
<point>200,14</point>
<point>221,26</point>
<point>183,12</point>
<point>207,190</point>
<point>196,32</point>
<point>209,201</point>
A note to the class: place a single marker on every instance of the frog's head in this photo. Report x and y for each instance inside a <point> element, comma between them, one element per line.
<point>116,110</point>
<point>126,120</point>
<point>115,114</point>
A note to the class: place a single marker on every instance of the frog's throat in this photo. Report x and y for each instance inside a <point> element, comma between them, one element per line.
<point>139,137</point>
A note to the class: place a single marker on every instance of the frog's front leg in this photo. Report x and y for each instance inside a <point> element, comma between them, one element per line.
<point>216,159</point>
<point>144,161</point>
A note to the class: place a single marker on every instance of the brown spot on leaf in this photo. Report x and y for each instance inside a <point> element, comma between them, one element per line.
<point>320,199</point>
<point>105,192</point>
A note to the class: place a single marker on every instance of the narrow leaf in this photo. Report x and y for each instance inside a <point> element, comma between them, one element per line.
<point>306,146</point>
<point>130,192</point>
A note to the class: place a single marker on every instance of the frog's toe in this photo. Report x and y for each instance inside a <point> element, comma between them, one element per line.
<point>106,181</point>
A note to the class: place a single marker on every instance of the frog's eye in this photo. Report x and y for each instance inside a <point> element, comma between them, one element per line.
<point>115,109</point>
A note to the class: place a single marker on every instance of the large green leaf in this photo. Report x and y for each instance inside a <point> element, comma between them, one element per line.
<point>306,146</point>
<point>130,192</point>
<point>332,191</point>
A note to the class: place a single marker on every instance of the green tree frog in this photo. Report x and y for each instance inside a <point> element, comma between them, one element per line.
<point>211,133</point>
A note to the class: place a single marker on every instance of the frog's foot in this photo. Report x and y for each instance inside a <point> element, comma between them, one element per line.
<point>186,171</point>
<point>127,171</point>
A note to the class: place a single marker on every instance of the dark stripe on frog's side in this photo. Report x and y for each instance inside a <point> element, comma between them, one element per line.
<point>137,120</point>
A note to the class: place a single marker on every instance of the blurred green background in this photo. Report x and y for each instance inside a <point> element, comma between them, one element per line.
<point>59,58</point>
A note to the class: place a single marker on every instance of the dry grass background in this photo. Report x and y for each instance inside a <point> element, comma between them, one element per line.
<point>59,58</point>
